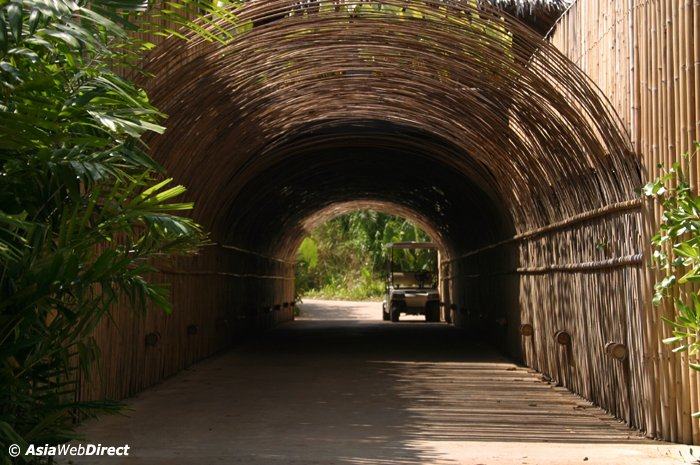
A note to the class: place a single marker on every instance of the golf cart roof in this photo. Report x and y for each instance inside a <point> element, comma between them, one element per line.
<point>411,245</point>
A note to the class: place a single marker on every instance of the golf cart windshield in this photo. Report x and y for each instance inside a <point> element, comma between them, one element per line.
<point>413,267</point>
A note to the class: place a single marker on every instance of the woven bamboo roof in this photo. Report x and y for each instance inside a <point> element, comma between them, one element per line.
<point>541,15</point>
<point>493,131</point>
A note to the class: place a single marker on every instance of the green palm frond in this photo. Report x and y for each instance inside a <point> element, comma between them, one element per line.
<point>83,207</point>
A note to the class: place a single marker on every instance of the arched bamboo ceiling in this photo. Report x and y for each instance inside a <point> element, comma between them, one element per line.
<point>372,162</point>
<point>462,115</point>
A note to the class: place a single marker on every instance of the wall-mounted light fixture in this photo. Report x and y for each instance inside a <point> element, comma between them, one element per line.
<point>562,337</point>
<point>616,350</point>
<point>527,330</point>
<point>152,339</point>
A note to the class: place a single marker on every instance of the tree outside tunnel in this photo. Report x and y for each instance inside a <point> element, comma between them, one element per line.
<point>345,257</point>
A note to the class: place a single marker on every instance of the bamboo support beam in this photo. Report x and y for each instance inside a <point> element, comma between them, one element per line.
<point>250,252</point>
<point>617,262</point>
<point>569,222</point>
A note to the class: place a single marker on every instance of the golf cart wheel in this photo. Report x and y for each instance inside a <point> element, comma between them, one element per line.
<point>385,315</point>
<point>395,313</point>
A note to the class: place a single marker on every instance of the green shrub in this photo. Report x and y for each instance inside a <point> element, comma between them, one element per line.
<point>676,251</point>
<point>83,209</point>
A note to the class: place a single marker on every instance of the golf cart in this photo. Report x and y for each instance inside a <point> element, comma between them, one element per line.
<point>412,277</point>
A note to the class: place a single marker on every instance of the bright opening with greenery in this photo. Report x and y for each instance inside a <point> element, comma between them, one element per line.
<point>345,258</point>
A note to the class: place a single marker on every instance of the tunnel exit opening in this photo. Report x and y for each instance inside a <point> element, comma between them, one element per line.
<point>346,257</point>
<point>344,253</point>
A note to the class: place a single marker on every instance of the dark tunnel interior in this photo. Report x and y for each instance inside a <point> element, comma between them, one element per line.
<point>408,171</point>
<point>316,173</point>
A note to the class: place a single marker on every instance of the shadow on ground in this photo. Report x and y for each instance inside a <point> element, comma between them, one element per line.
<point>365,392</point>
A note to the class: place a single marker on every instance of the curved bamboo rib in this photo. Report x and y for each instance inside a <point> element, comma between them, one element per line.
<point>500,106</point>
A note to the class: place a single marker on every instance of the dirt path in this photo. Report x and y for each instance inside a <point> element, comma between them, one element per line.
<point>354,390</point>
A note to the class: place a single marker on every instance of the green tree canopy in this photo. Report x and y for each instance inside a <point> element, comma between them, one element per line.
<point>346,256</point>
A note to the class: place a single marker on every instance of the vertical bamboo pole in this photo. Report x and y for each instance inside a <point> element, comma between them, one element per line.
<point>652,403</point>
<point>656,122</point>
<point>679,118</point>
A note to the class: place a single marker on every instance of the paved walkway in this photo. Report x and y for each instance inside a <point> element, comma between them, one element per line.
<point>353,389</point>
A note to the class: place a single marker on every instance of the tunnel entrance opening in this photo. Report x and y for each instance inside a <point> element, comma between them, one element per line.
<point>349,257</point>
<point>346,257</point>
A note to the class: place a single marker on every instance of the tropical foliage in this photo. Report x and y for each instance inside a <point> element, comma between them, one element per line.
<point>345,257</point>
<point>677,253</point>
<point>83,209</point>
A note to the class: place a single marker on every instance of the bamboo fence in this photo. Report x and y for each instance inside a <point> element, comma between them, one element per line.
<point>645,56</point>
<point>219,296</point>
<point>518,156</point>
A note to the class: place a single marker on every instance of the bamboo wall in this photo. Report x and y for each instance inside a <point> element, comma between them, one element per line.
<point>581,276</point>
<point>645,57</point>
<point>219,296</point>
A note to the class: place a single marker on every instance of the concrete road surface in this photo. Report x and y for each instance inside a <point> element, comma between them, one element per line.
<point>340,386</point>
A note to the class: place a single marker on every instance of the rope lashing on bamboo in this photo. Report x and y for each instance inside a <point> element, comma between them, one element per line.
<point>628,205</point>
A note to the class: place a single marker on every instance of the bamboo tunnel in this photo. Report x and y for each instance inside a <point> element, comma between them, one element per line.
<point>523,157</point>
